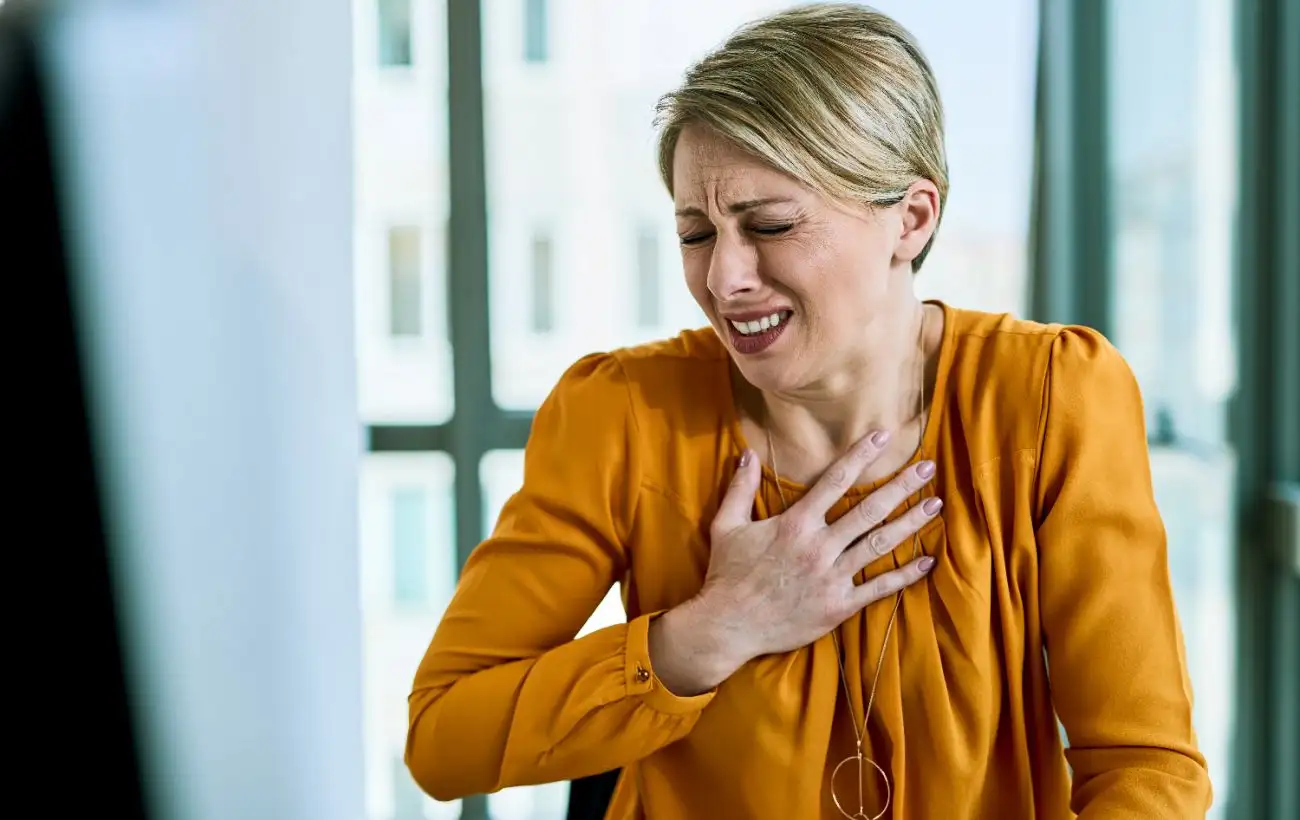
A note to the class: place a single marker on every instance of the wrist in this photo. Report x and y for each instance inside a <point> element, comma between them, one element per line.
<point>691,650</point>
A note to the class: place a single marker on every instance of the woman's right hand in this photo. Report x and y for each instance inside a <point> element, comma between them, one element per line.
<point>781,583</point>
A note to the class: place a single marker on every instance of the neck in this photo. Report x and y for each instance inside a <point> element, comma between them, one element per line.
<point>879,387</point>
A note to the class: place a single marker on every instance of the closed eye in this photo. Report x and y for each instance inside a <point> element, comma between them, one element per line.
<point>761,230</point>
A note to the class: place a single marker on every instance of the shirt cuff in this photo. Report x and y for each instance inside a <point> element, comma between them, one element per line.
<point>640,678</point>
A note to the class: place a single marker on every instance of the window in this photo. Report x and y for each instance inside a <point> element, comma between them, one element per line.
<point>394,32</point>
<point>405,282</point>
<point>1173,197</point>
<point>543,286</point>
<point>408,800</point>
<point>408,573</point>
<point>648,290</point>
<point>410,513</point>
<point>535,32</point>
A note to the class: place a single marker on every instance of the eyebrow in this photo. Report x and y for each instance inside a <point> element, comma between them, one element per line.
<point>738,207</point>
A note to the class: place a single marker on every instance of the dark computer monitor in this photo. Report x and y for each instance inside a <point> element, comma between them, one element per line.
<point>67,696</point>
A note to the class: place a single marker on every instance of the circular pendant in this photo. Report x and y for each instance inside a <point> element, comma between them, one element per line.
<point>862,762</point>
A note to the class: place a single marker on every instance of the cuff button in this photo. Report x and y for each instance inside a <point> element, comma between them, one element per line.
<point>642,674</point>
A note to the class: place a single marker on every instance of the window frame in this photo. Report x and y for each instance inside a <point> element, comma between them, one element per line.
<point>477,425</point>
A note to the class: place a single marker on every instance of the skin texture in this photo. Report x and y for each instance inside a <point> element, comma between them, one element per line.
<point>754,240</point>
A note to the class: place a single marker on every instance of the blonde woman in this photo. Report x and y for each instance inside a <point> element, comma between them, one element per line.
<point>853,530</point>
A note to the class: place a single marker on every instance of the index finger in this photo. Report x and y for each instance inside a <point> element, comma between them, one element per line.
<point>839,477</point>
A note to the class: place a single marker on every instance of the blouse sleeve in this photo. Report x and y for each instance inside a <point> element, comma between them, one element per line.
<point>505,695</point>
<point>1119,678</point>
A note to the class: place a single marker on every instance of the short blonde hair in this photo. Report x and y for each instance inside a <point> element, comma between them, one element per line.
<point>837,95</point>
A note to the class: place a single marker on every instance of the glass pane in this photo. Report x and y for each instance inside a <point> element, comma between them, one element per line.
<point>535,31</point>
<point>502,473</point>
<point>984,57</point>
<point>408,574</point>
<point>407,560</point>
<point>400,207</point>
<point>570,145</point>
<point>410,522</point>
<point>649,276</point>
<point>543,295</point>
<point>1172,122</point>
<point>405,286</point>
<point>394,30</point>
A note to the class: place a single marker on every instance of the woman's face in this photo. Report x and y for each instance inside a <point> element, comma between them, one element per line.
<point>808,279</point>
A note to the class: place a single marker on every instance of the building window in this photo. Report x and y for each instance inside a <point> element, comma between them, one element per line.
<point>408,800</point>
<point>394,33</point>
<point>649,310</point>
<point>543,285</point>
<point>410,519</point>
<point>405,282</point>
<point>535,32</point>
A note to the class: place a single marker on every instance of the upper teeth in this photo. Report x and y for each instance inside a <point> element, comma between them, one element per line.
<point>758,325</point>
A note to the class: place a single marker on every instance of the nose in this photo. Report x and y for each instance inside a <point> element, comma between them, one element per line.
<point>733,268</point>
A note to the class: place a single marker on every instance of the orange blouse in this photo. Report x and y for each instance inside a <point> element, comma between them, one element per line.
<point>1050,553</point>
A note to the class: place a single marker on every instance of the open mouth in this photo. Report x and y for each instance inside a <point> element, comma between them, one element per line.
<point>756,335</point>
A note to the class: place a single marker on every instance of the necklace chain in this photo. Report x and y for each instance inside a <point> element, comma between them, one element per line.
<point>859,735</point>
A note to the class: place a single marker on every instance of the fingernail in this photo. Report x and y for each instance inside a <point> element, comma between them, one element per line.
<point>745,457</point>
<point>925,469</point>
<point>931,506</point>
<point>879,437</point>
<point>926,564</point>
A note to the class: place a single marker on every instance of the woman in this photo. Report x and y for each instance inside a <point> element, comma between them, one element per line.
<point>852,529</point>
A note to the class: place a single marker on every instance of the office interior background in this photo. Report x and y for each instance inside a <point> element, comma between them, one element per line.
<point>326,258</point>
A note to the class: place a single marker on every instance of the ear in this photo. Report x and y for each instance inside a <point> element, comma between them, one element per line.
<point>920,218</point>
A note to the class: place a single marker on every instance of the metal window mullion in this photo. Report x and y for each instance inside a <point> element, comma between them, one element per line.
<point>1071,235</point>
<point>467,265</point>
<point>1265,424</point>
<point>1284,386</point>
<point>467,282</point>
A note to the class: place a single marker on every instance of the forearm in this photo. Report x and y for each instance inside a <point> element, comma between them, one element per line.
<point>1139,783</point>
<point>575,710</point>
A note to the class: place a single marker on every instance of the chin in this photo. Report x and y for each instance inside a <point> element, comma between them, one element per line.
<point>769,373</point>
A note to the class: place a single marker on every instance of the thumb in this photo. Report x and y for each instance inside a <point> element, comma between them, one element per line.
<point>737,505</point>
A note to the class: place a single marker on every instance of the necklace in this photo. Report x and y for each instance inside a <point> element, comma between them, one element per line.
<point>859,757</point>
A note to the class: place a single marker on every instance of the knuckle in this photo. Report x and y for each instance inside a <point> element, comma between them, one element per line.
<point>872,451</point>
<point>791,527</point>
<point>837,475</point>
<point>835,605</point>
<point>872,510</point>
<point>909,482</point>
<point>878,543</point>
<point>807,559</point>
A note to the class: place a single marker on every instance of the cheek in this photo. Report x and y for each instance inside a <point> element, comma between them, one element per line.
<point>834,289</point>
<point>696,272</point>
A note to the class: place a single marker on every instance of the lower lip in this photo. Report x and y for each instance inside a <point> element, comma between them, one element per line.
<point>754,343</point>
